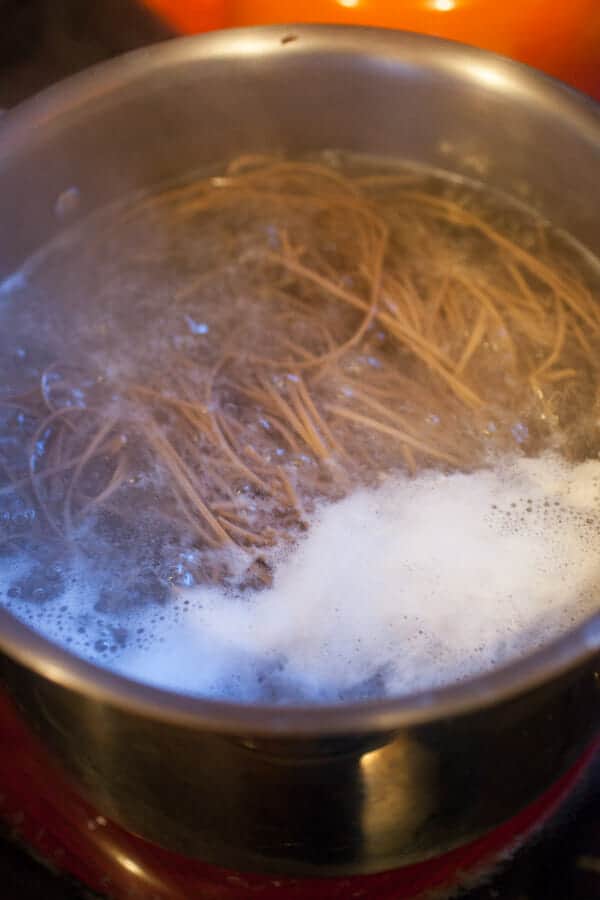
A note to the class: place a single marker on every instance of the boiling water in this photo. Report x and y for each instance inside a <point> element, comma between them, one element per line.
<point>411,557</point>
<point>408,586</point>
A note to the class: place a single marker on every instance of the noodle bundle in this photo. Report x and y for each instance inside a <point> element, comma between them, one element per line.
<point>223,355</point>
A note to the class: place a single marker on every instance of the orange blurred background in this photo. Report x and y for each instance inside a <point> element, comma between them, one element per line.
<point>561,37</point>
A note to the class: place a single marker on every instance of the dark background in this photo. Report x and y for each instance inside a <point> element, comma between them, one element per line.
<point>42,41</point>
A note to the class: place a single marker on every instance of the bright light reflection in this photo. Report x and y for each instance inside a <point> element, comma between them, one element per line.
<point>130,865</point>
<point>250,46</point>
<point>443,5</point>
<point>368,760</point>
<point>488,75</point>
<point>349,4</point>
<point>54,672</point>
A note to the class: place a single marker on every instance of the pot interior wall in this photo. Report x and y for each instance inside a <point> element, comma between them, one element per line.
<point>154,115</point>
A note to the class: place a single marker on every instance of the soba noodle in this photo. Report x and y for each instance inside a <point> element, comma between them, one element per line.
<point>199,369</point>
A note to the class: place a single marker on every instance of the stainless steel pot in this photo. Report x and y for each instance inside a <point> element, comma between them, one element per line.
<point>350,789</point>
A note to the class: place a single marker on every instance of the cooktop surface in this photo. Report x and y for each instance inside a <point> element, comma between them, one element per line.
<point>563,863</point>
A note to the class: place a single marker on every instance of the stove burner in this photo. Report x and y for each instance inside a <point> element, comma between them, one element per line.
<point>60,827</point>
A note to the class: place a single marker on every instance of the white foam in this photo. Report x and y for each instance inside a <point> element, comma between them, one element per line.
<point>415,584</point>
<point>424,581</point>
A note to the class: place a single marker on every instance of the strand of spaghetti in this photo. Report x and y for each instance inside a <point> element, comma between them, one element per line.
<point>415,342</point>
<point>370,314</point>
<point>475,338</point>
<point>243,533</point>
<point>220,427</point>
<point>350,298</point>
<point>289,491</point>
<point>426,449</point>
<point>212,542</point>
<point>97,440</point>
<point>35,487</point>
<point>390,414</point>
<point>114,484</point>
<point>184,478</point>
<point>263,398</point>
<point>409,459</point>
<point>561,330</point>
<point>583,342</point>
<point>560,285</point>
<point>320,422</point>
<point>286,411</point>
<point>314,438</point>
<point>476,290</point>
<point>559,375</point>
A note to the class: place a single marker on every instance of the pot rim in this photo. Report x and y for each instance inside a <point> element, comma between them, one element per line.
<point>18,641</point>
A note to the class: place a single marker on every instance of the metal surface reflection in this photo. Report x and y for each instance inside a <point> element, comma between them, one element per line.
<point>399,785</point>
<point>490,76</point>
